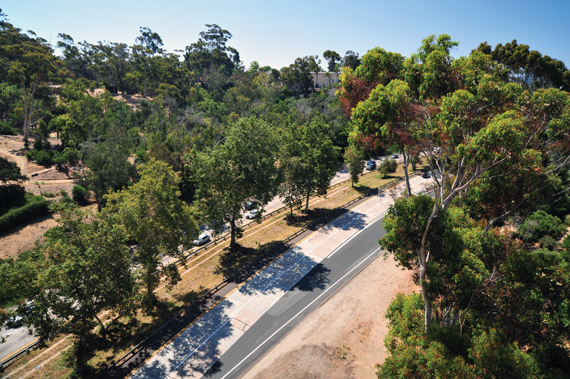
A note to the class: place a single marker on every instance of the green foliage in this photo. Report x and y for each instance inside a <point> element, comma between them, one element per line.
<point>44,158</point>
<point>7,129</point>
<point>154,216</point>
<point>309,160</point>
<point>242,169</point>
<point>109,170</point>
<point>10,172</point>
<point>17,216</point>
<point>88,270</point>
<point>78,192</point>
<point>539,225</point>
<point>354,157</point>
<point>388,166</point>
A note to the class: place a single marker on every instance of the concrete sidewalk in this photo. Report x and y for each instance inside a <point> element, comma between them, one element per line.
<point>194,350</point>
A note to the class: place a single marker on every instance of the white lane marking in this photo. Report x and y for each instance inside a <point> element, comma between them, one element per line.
<point>357,233</point>
<point>235,314</point>
<point>301,311</point>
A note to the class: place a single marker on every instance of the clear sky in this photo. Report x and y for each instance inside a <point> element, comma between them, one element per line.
<point>274,32</point>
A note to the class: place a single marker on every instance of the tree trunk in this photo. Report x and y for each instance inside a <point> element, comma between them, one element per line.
<point>427,302</point>
<point>406,163</point>
<point>232,233</point>
<point>103,328</point>
<point>307,203</point>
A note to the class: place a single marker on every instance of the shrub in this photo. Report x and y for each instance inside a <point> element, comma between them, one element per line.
<point>38,145</point>
<point>548,243</point>
<point>7,129</point>
<point>31,154</point>
<point>78,192</point>
<point>141,155</point>
<point>541,224</point>
<point>36,207</point>
<point>71,155</point>
<point>44,158</point>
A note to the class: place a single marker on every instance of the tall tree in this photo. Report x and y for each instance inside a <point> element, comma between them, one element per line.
<point>308,151</point>
<point>87,271</point>
<point>241,169</point>
<point>159,222</point>
<point>350,60</point>
<point>211,51</point>
<point>30,64</point>
<point>332,57</point>
<point>148,44</point>
<point>354,157</point>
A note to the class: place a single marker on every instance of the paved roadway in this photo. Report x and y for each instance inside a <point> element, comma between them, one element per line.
<point>308,294</point>
<point>341,175</point>
<point>16,339</point>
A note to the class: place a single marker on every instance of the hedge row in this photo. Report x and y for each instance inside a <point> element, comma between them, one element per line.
<point>17,216</point>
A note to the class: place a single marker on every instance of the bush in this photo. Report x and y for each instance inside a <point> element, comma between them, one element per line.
<point>71,155</point>
<point>78,192</point>
<point>36,207</point>
<point>44,158</point>
<point>141,155</point>
<point>541,224</point>
<point>31,154</point>
<point>38,145</point>
<point>548,243</point>
<point>7,129</point>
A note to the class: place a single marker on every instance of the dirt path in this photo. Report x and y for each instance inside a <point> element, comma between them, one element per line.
<point>17,157</point>
<point>344,338</point>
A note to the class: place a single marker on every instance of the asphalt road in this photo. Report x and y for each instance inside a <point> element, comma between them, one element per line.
<point>314,289</point>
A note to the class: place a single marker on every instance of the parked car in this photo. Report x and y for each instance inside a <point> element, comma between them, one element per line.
<point>251,205</point>
<point>371,165</point>
<point>202,239</point>
<point>426,175</point>
<point>252,214</point>
<point>394,156</point>
<point>437,150</point>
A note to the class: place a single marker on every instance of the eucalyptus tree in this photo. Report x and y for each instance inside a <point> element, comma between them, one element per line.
<point>242,168</point>
<point>309,160</point>
<point>29,63</point>
<point>158,221</point>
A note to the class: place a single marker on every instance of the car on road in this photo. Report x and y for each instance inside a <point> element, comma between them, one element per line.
<point>252,214</point>
<point>251,205</point>
<point>426,175</point>
<point>202,239</point>
<point>371,165</point>
<point>394,156</point>
<point>15,322</point>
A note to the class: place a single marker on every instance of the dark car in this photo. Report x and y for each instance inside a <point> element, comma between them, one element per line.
<point>251,205</point>
<point>426,175</point>
<point>371,165</point>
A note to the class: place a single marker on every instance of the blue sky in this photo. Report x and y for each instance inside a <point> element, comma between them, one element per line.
<point>274,33</point>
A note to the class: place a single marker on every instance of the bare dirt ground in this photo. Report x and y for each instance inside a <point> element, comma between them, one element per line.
<point>20,239</point>
<point>344,338</point>
<point>49,180</point>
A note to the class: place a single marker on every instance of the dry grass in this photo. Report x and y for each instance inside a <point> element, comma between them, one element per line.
<point>200,274</point>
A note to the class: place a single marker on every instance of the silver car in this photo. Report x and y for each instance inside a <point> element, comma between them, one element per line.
<point>202,239</point>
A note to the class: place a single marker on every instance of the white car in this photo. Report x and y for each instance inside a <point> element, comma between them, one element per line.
<point>202,239</point>
<point>252,214</point>
<point>394,156</point>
